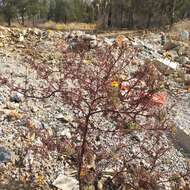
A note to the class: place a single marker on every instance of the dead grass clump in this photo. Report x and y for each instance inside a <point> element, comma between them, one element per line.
<point>70,26</point>
<point>181,26</point>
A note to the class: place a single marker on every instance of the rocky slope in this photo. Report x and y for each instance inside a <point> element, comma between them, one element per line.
<point>20,116</point>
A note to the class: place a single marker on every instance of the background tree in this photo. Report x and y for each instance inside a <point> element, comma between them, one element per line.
<point>51,9</point>
<point>171,9</point>
<point>21,7</point>
<point>35,8</point>
<point>8,10</point>
<point>107,13</point>
<point>184,9</point>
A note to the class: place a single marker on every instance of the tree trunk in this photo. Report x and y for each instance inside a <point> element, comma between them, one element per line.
<point>121,17</point>
<point>130,19</point>
<point>9,21</point>
<point>110,17</point>
<point>22,16</point>
<point>149,20</point>
<point>65,19</point>
<point>172,12</point>
<point>83,150</point>
<point>33,20</point>
<point>103,12</point>
<point>18,19</point>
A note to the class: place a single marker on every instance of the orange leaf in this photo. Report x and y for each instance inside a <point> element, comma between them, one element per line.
<point>120,40</point>
<point>159,98</point>
<point>83,172</point>
<point>13,115</point>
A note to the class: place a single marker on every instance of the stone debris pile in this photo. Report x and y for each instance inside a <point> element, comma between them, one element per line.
<point>33,123</point>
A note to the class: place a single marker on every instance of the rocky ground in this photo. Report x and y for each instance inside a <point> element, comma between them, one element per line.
<point>20,117</point>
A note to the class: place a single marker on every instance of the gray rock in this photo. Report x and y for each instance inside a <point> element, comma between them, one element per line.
<point>174,54</point>
<point>15,99</point>
<point>183,60</point>
<point>184,35</point>
<point>183,50</point>
<point>109,41</point>
<point>93,43</point>
<point>66,183</point>
<point>65,118</point>
<point>183,139</point>
<point>89,37</point>
<point>1,99</point>
<point>65,132</point>
<point>5,156</point>
<point>187,79</point>
<point>165,66</point>
<point>21,39</point>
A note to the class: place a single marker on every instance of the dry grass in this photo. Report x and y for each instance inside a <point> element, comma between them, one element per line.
<point>124,32</point>
<point>67,27</point>
<point>177,28</point>
<point>181,26</point>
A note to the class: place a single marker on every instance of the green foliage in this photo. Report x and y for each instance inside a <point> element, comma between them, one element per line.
<point>22,9</point>
<point>184,9</point>
<point>34,7</point>
<point>144,13</point>
<point>8,10</point>
<point>67,11</point>
<point>108,13</point>
<point>62,11</point>
<point>131,126</point>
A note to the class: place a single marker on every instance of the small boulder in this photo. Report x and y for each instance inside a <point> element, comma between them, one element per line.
<point>21,39</point>
<point>165,66</point>
<point>65,118</point>
<point>15,98</point>
<point>183,50</point>
<point>184,35</point>
<point>89,37</point>
<point>5,156</point>
<point>66,183</point>
<point>183,60</point>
